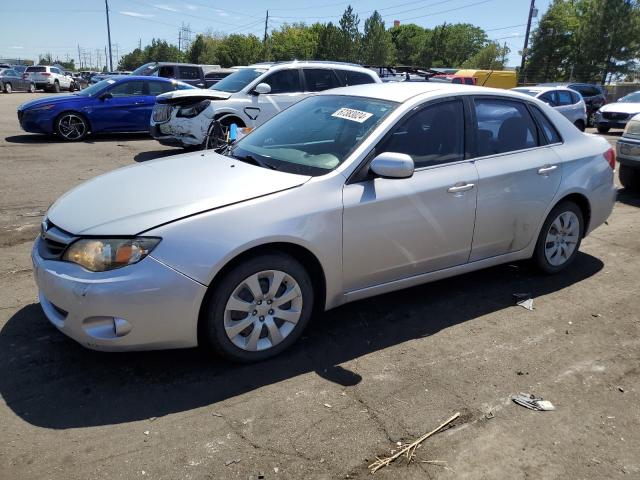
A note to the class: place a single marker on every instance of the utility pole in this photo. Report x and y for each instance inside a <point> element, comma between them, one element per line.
<point>180,39</point>
<point>106,6</point>
<point>105,56</point>
<point>525,48</point>
<point>266,26</point>
<point>79,57</point>
<point>140,44</point>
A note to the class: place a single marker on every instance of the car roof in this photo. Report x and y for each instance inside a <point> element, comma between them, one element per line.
<point>403,91</point>
<point>311,63</point>
<point>543,88</point>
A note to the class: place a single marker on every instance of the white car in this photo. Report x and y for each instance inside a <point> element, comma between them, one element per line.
<point>48,78</point>
<point>566,101</point>
<point>618,113</point>
<point>248,98</point>
<point>628,148</point>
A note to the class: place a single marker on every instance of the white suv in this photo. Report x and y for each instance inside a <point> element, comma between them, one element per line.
<point>48,78</point>
<point>247,98</point>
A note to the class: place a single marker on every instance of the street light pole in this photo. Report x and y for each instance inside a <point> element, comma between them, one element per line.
<point>525,48</point>
<point>106,6</point>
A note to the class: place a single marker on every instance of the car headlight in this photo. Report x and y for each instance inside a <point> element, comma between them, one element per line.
<point>102,254</point>
<point>632,128</point>
<point>193,110</point>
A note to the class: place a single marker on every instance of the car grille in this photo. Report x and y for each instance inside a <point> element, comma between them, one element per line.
<point>53,241</point>
<point>161,113</point>
<point>614,116</point>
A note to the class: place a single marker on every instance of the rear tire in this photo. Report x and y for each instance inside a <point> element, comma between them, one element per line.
<point>32,88</point>
<point>603,129</point>
<point>629,177</point>
<point>579,125</point>
<point>253,330</point>
<point>7,88</point>
<point>560,238</point>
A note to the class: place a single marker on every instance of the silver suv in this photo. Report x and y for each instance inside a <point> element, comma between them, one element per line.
<point>566,101</point>
<point>48,78</point>
<point>247,98</point>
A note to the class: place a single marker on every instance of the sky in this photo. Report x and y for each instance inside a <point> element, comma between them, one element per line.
<point>61,31</point>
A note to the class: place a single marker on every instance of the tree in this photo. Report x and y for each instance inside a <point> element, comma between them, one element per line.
<point>293,41</point>
<point>409,40</point>
<point>350,40</point>
<point>329,41</point>
<point>377,45</point>
<point>237,50</point>
<point>491,57</point>
<point>131,60</point>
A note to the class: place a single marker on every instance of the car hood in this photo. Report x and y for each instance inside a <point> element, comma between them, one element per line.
<point>621,107</point>
<point>53,100</point>
<point>134,199</point>
<point>196,94</point>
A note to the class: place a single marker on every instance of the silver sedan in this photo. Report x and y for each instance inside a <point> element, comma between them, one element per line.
<point>350,193</point>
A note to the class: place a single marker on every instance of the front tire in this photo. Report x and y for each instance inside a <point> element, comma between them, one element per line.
<point>7,88</point>
<point>560,238</point>
<point>32,88</point>
<point>56,87</point>
<point>71,127</point>
<point>259,309</point>
<point>603,129</point>
<point>629,177</point>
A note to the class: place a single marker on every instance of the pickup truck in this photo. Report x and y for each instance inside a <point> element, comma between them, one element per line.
<point>202,76</point>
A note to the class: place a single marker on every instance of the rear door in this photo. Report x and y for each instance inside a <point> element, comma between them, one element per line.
<point>398,228</point>
<point>567,105</point>
<point>519,175</point>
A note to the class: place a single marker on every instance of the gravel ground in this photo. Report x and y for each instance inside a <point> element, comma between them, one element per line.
<point>364,377</point>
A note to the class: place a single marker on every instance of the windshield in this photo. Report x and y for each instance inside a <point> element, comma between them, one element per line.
<point>95,88</point>
<point>631,98</point>
<point>238,80</point>
<point>527,91</point>
<point>315,135</point>
<point>145,69</point>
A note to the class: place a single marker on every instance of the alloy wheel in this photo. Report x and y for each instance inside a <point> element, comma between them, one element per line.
<point>71,126</point>
<point>562,238</point>
<point>263,310</point>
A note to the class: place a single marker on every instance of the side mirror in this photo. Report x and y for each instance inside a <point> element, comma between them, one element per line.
<point>392,165</point>
<point>106,96</point>
<point>262,88</point>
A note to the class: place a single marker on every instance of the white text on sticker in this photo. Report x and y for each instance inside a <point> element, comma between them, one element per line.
<point>353,115</point>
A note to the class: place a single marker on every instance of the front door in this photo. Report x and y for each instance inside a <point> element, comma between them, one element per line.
<point>286,89</point>
<point>123,111</point>
<point>398,228</point>
<point>518,177</point>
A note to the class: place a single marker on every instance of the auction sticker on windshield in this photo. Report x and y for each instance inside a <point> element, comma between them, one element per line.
<point>353,115</point>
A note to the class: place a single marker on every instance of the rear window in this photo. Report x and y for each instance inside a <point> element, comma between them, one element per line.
<point>188,73</point>
<point>319,79</point>
<point>36,69</point>
<point>527,91</point>
<point>548,129</point>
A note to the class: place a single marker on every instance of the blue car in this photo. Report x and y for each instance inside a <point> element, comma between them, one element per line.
<point>112,105</point>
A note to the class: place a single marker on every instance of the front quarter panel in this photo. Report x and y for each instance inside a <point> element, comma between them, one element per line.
<point>309,216</point>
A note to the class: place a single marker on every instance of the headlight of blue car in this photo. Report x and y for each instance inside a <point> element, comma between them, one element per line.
<point>193,110</point>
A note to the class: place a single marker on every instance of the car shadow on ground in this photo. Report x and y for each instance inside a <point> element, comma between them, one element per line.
<point>37,138</point>
<point>50,381</point>
<point>628,197</point>
<point>153,154</point>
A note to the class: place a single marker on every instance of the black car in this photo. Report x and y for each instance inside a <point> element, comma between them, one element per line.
<point>13,81</point>
<point>202,76</point>
<point>593,95</point>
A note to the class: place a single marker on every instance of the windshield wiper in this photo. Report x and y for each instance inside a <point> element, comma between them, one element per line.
<point>253,161</point>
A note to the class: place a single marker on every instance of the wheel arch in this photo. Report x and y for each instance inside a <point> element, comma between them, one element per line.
<point>307,259</point>
<point>583,203</point>
<point>231,116</point>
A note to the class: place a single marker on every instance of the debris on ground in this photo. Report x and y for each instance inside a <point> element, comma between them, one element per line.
<point>621,389</point>
<point>408,450</point>
<point>146,432</point>
<point>524,300</point>
<point>327,405</point>
<point>231,462</point>
<point>533,402</point>
<point>216,414</point>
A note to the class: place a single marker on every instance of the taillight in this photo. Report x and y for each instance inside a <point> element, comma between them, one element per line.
<point>610,157</point>
<point>45,74</point>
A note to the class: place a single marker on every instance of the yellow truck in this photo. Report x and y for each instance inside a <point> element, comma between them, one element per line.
<point>491,78</point>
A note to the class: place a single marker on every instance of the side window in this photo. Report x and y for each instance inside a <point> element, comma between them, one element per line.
<point>547,127</point>
<point>284,81</point>
<point>10,73</point>
<point>319,79</point>
<point>575,97</point>
<point>354,78</point>
<point>188,73</point>
<point>432,136</point>
<point>564,98</point>
<point>157,88</point>
<point>166,71</point>
<point>55,70</point>
<point>503,126</point>
<point>128,89</point>
<point>468,81</point>
<point>549,98</point>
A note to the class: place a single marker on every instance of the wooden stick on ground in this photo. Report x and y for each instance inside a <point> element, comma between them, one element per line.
<point>409,449</point>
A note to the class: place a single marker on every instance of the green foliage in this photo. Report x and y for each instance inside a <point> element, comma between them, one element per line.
<point>158,51</point>
<point>409,40</point>
<point>377,45</point>
<point>490,57</point>
<point>293,41</point>
<point>350,42</point>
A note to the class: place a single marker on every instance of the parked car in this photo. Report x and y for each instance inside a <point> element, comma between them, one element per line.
<point>12,81</point>
<point>491,78</point>
<point>617,114</point>
<point>593,96</point>
<point>122,104</point>
<point>79,82</point>
<point>190,73</point>
<point>98,77</point>
<point>48,78</point>
<point>628,149</point>
<point>347,194</point>
<point>247,98</point>
<point>566,101</point>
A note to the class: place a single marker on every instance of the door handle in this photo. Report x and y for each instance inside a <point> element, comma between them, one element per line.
<point>547,169</point>
<point>461,188</point>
